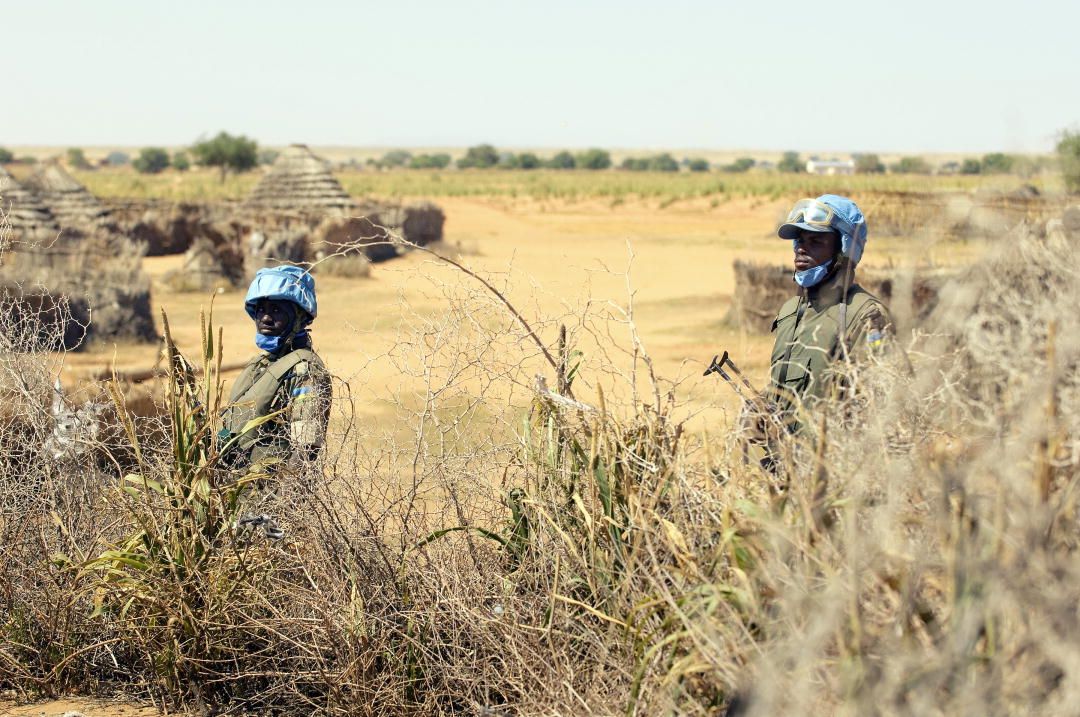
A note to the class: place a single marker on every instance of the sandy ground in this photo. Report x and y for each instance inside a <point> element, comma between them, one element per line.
<point>76,708</point>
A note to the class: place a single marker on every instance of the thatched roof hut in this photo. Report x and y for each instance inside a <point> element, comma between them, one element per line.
<point>210,264</point>
<point>91,290</point>
<point>29,217</point>
<point>760,290</point>
<point>70,202</point>
<point>300,181</point>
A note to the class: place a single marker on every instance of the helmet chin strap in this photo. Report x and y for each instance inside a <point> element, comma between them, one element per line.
<point>849,270</point>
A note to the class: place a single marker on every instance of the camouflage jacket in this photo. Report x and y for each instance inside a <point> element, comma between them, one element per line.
<point>808,344</point>
<point>296,387</point>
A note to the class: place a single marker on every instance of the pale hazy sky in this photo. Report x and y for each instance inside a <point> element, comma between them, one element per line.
<point>846,76</point>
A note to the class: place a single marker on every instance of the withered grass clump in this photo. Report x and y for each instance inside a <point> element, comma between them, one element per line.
<point>539,532</point>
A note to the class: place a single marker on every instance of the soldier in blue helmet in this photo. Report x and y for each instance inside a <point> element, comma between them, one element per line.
<point>287,380</point>
<point>831,319</point>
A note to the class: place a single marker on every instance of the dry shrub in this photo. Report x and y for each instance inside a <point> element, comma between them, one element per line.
<point>537,533</point>
<point>81,289</point>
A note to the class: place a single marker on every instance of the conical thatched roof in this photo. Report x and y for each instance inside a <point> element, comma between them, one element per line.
<point>71,203</point>
<point>300,181</point>
<point>29,217</point>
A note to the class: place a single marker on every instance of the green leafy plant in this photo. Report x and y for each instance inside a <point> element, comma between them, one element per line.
<point>183,564</point>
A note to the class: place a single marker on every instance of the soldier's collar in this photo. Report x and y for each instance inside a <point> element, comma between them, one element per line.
<point>829,291</point>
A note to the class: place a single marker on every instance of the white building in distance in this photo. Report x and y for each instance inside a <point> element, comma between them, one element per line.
<point>830,166</point>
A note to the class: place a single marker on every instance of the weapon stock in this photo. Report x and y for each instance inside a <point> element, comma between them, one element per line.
<point>742,386</point>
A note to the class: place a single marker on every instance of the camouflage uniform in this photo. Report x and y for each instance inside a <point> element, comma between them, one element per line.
<point>297,385</point>
<point>808,342</point>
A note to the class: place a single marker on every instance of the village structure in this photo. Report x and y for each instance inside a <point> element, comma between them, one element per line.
<point>830,167</point>
<point>74,256</point>
<point>300,213</point>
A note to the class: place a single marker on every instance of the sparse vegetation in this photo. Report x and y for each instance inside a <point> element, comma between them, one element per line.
<point>791,162</point>
<point>180,162</point>
<point>151,160</point>
<point>6,156</point>
<point>911,165</point>
<point>562,160</point>
<point>1068,151</point>
<point>226,152</point>
<point>698,164</point>
<point>76,159</point>
<point>430,161</point>
<point>524,160</point>
<point>395,158</point>
<point>657,163</point>
<point>868,164</point>
<point>593,159</point>
<point>482,156</point>
<point>970,166</point>
<point>997,163</point>
<point>740,165</point>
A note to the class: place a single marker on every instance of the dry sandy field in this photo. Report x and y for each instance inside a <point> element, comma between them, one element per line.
<point>551,258</point>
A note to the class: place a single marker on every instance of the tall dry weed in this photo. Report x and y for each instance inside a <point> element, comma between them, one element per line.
<point>538,532</point>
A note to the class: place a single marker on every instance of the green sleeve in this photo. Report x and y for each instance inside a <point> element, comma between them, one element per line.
<point>308,391</point>
<point>871,331</point>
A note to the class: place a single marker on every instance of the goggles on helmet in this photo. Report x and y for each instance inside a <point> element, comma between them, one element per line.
<point>812,212</point>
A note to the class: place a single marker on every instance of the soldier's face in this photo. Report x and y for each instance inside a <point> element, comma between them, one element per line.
<point>272,318</point>
<point>814,248</point>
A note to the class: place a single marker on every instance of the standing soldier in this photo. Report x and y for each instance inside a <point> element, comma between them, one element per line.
<point>832,319</point>
<point>287,384</point>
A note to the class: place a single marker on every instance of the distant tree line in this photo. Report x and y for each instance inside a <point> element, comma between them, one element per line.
<point>237,153</point>
<point>486,156</point>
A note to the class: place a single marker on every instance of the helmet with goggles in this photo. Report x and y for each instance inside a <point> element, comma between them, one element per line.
<point>829,213</point>
<point>282,283</point>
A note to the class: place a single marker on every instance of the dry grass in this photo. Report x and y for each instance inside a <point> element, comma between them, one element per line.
<point>508,546</point>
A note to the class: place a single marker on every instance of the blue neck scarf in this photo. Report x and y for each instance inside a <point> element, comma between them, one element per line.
<point>813,276</point>
<point>296,337</point>
<point>274,344</point>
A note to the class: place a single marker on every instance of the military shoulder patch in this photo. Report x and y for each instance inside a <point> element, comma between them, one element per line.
<point>875,338</point>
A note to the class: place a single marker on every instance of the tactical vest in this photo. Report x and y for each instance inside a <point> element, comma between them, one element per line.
<point>254,399</point>
<point>808,340</point>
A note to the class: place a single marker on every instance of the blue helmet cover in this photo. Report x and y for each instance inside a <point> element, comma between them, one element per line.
<point>282,283</point>
<point>847,220</point>
<point>850,222</point>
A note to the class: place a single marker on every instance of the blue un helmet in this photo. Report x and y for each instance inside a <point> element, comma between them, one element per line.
<point>829,212</point>
<point>283,283</point>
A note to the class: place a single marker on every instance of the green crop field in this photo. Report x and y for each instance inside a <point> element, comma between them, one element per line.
<point>572,185</point>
